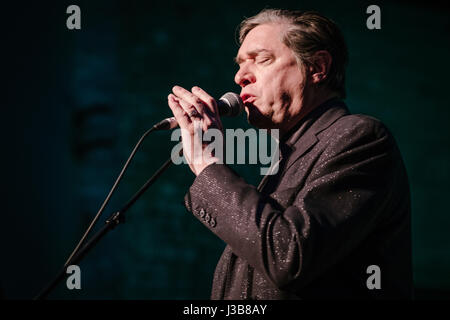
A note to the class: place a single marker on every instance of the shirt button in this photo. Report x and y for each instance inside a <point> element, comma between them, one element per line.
<point>207,217</point>
<point>213,222</point>
<point>201,213</point>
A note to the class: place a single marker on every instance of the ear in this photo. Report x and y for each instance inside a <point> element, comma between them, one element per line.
<point>320,66</point>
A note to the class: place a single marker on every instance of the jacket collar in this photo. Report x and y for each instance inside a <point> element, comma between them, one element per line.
<point>305,133</point>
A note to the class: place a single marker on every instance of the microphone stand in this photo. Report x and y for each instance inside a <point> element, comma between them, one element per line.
<point>113,221</point>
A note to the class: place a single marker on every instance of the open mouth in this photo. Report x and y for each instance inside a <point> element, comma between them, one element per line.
<point>248,99</point>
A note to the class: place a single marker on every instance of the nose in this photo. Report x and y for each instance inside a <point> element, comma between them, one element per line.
<point>244,77</point>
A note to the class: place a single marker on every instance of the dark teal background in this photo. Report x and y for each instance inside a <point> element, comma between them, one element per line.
<point>77,102</point>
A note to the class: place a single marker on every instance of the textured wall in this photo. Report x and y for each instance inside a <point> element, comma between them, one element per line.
<point>77,102</point>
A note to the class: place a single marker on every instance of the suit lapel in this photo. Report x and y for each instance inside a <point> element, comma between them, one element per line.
<point>263,182</point>
<point>320,119</point>
<point>305,137</point>
<point>304,144</point>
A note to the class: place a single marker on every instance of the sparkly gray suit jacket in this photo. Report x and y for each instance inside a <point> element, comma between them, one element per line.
<point>339,204</point>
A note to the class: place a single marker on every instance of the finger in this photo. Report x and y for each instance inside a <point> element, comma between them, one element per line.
<point>179,113</point>
<point>207,99</point>
<point>190,98</point>
<point>206,119</point>
<point>191,111</point>
<point>212,116</point>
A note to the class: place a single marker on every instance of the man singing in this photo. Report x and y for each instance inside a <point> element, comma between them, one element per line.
<point>334,222</point>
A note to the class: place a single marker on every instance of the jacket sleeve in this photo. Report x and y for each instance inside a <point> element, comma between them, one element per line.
<point>340,204</point>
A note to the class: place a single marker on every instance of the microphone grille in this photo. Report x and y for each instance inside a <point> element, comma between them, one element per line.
<point>234,101</point>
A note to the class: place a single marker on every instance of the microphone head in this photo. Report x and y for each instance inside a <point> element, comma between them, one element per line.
<point>230,104</point>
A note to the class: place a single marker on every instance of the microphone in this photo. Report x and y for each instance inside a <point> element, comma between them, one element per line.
<point>230,105</point>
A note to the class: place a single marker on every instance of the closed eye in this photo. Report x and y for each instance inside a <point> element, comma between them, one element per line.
<point>264,59</point>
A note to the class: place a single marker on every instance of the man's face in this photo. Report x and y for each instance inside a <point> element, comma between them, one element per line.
<point>271,80</point>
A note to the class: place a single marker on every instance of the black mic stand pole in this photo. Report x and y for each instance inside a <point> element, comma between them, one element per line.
<point>113,221</point>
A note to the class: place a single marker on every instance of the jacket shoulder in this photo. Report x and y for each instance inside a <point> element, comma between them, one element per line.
<point>356,132</point>
<point>362,124</point>
<point>356,126</point>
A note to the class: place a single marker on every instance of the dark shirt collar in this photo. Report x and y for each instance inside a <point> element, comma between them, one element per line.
<point>290,137</point>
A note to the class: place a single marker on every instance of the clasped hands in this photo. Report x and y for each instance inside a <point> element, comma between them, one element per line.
<point>196,112</point>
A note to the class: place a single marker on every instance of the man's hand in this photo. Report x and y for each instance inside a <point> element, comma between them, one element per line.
<point>196,112</point>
